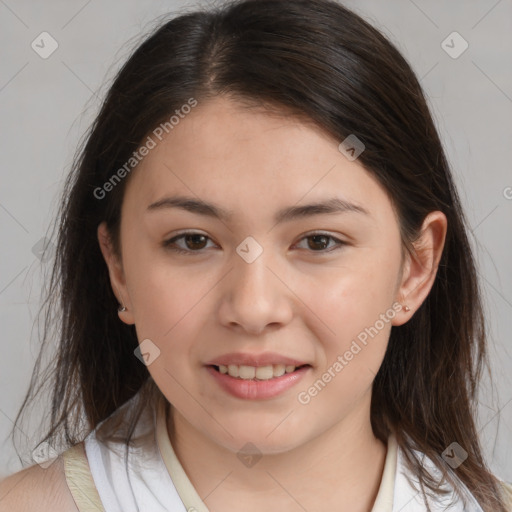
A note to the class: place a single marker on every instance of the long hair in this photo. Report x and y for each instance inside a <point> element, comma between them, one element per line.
<point>318,61</point>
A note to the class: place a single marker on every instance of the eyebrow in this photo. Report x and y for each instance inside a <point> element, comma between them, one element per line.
<point>198,206</point>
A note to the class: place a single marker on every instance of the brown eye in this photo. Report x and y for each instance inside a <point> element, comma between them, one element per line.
<point>319,242</point>
<point>193,243</point>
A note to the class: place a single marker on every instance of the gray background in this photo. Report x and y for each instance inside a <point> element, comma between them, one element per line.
<point>47,104</point>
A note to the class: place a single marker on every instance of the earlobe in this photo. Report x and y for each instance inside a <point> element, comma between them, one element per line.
<point>420,269</point>
<point>116,274</point>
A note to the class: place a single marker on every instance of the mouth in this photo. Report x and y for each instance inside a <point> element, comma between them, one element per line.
<point>257,373</point>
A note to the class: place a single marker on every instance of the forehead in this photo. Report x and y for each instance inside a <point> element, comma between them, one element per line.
<point>249,160</point>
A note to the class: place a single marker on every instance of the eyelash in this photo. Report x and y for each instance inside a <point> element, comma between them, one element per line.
<point>168,244</point>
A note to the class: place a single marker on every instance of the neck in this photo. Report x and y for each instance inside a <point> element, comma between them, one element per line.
<point>340,469</point>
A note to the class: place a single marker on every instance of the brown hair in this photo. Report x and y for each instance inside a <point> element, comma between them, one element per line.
<point>318,61</point>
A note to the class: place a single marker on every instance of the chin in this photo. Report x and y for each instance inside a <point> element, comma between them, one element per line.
<point>269,440</point>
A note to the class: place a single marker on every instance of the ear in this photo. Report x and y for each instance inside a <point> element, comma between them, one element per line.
<point>420,268</point>
<point>116,273</point>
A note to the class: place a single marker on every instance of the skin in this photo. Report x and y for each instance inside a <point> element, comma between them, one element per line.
<point>299,298</point>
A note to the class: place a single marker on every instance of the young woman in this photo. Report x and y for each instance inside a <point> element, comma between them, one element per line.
<point>268,300</point>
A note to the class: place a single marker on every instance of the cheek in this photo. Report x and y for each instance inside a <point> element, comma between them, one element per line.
<point>356,314</point>
<point>171,306</point>
<point>169,309</point>
<point>162,294</point>
<point>350,309</point>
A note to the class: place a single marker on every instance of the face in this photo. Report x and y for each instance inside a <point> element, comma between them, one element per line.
<point>251,288</point>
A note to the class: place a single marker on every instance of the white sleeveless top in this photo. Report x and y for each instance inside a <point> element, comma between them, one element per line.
<point>148,477</point>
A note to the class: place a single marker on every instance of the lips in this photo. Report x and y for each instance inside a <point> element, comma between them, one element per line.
<point>256,360</point>
<point>256,389</point>
<point>256,372</point>
<point>256,376</point>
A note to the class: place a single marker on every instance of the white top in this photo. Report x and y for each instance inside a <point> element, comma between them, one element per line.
<point>148,477</point>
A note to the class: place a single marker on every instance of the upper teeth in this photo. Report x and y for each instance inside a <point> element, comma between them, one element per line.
<point>259,372</point>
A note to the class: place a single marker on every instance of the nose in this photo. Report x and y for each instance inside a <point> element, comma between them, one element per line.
<point>256,296</point>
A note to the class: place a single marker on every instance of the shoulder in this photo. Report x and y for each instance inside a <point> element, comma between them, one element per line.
<point>36,488</point>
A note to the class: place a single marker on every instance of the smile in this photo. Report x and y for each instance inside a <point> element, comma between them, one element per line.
<point>256,372</point>
<point>257,383</point>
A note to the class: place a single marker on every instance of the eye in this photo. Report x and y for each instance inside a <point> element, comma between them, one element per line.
<point>195,242</point>
<point>320,241</point>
